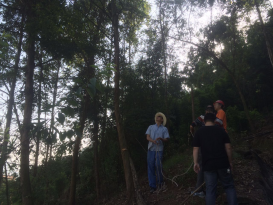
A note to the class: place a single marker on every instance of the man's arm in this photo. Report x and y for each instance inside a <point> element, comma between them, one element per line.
<point>150,139</point>
<point>165,136</point>
<point>162,139</point>
<point>196,167</point>
<point>191,129</point>
<point>229,153</point>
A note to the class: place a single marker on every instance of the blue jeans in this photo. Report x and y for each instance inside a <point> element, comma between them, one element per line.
<point>211,179</point>
<point>154,168</point>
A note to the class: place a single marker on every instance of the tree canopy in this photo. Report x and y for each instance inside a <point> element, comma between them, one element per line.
<point>81,81</point>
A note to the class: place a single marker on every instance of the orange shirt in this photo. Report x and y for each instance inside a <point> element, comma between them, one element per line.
<point>222,116</point>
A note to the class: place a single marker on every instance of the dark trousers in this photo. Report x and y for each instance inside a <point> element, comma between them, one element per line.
<point>225,177</point>
<point>200,175</point>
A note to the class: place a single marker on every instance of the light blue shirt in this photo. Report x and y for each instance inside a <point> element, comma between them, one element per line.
<point>155,132</point>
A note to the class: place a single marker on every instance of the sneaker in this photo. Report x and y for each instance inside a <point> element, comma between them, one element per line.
<point>201,194</point>
<point>152,190</point>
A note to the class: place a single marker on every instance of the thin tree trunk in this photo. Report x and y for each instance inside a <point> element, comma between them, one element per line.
<point>11,100</point>
<point>53,108</point>
<point>47,151</point>
<point>267,39</point>
<point>17,119</point>
<point>192,111</point>
<point>50,151</point>
<point>30,51</point>
<point>103,126</point>
<point>122,141</point>
<point>38,136</point>
<point>7,186</point>
<point>162,28</point>
<point>87,73</point>
<point>192,104</point>
<point>140,200</point>
<point>96,144</point>
<point>75,158</point>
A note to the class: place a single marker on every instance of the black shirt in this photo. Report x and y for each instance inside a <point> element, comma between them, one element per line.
<point>212,140</point>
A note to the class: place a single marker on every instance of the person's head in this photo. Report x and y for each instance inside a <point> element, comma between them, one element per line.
<point>219,104</point>
<point>210,117</point>
<point>209,109</point>
<point>160,118</point>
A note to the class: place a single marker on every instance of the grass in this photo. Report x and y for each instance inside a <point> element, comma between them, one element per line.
<point>180,158</point>
<point>184,160</point>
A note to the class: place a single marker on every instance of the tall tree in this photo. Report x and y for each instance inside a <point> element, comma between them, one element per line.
<point>11,97</point>
<point>25,138</point>
<point>267,38</point>
<point>39,125</point>
<point>122,141</point>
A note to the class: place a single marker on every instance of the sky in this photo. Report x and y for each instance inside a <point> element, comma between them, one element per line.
<point>196,20</point>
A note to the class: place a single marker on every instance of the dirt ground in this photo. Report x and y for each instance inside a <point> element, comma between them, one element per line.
<point>246,175</point>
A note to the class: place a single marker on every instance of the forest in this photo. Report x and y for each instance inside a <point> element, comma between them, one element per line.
<point>82,80</point>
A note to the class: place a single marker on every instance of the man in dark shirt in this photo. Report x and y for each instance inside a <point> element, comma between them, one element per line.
<point>216,159</point>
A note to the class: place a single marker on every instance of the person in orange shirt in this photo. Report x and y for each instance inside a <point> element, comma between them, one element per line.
<point>218,106</point>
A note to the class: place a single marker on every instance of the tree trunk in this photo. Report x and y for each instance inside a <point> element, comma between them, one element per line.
<point>72,199</point>
<point>103,126</point>
<point>47,151</point>
<point>122,141</point>
<point>192,112</point>
<point>17,119</point>
<point>96,144</point>
<point>38,136</point>
<point>192,104</point>
<point>11,100</point>
<point>162,28</point>
<point>86,74</point>
<point>7,186</point>
<point>267,38</point>
<point>30,51</point>
<point>53,108</point>
<point>140,200</point>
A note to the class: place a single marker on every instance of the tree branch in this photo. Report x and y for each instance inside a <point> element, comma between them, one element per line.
<point>17,118</point>
<point>210,53</point>
<point>6,85</point>
<point>4,92</point>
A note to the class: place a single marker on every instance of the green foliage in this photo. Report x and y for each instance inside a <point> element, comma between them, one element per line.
<point>77,38</point>
<point>52,182</point>
<point>236,119</point>
<point>14,192</point>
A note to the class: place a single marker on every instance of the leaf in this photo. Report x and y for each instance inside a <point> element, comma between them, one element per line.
<point>111,67</point>
<point>68,111</point>
<point>78,80</point>
<point>99,87</point>
<point>61,118</point>
<point>72,102</point>
<point>70,134</point>
<point>79,93</point>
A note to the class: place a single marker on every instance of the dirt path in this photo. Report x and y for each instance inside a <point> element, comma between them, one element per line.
<point>246,176</point>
